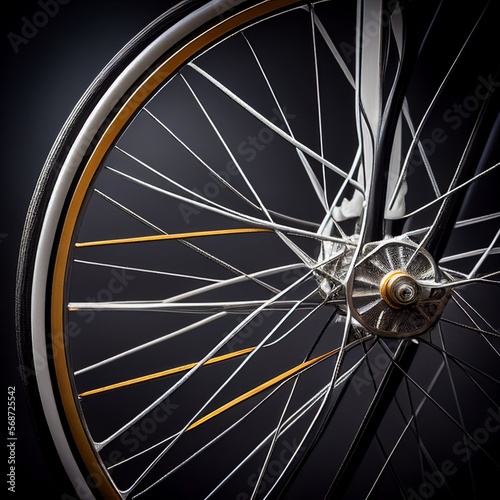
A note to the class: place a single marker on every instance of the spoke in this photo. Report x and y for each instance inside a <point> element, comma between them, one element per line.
<point>471,328</point>
<point>470,253</point>
<point>322,402</point>
<point>466,368</point>
<point>307,167</point>
<point>451,191</point>
<point>454,390</point>
<point>202,199</point>
<point>235,280</point>
<point>371,419</point>
<point>220,178</point>
<point>457,295</point>
<point>389,457</point>
<point>178,236</point>
<point>421,149</point>
<point>140,347</point>
<point>475,327</point>
<point>266,385</point>
<point>443,211</point>
<point>273,127</point>
<point>290,421</point>
<point>459,283</point>
<point>182,187</point>
<point>409,422</point>
<point>193,422</point>
<point>476,220</point>
<point>210,169</point>
<point>299,413</point>
<point>459,224</point>
<point>333,48</point>
<point>288,424</point>
<point>427,113</point>
<point>278,427</point>
<point>440,407</point>
<point>348,373</point>
<point>228,212</point>
<point>227,148</point>
<point>318,104</point>
<point>263,343</point>
<point>193,370</point>
<point>187,244</point>
<point>274,440</point>
<point>236,307</point>
<point>308,261</point>
<point>163,373</point>
<point>488,251</point>
<point>148,271</point>
<point>206,445</point>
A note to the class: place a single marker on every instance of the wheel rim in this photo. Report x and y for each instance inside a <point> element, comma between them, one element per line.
<point>300,296</point>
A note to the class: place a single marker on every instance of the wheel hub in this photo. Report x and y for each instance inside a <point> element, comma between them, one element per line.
<point>392,290</point>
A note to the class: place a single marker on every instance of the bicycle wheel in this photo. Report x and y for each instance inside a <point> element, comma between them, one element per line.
<point>262,258</point>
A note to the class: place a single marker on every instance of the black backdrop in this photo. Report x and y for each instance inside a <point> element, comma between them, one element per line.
<point>51,52</point>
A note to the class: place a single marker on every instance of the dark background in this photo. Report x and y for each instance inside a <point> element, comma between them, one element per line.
<point>45,70</point>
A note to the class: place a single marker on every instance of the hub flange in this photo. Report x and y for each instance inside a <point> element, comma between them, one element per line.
<point>388,291</point>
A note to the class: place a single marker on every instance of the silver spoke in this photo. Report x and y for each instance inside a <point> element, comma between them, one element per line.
<point>333,49</point>
<point>234,281</point>
<point>187,244</point>
<point>215,394</point>
<point>451,191</point>
<point>428,111</point>
<point>189,374</point>
<point>307,167</point>
<point>228,149</point>
<point>485,255</point>
<point>459,297</point>
<point>273,127</point>
<point>228,212</point>
<point>318,104</point>
<point>295,417</point>
<point>459,224</point>
<point>147,271</point>
<point>440,407</point>
<point>146,345</point>
<point>200,160</point>
<point>407,426</point>
<point>470,253</point>
<point>237,307</point>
